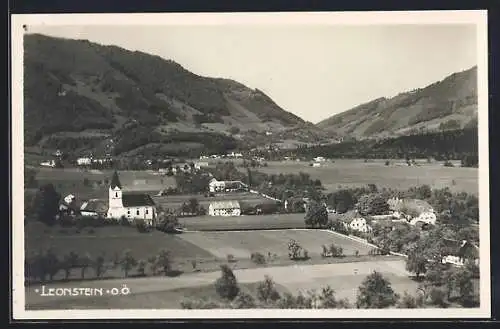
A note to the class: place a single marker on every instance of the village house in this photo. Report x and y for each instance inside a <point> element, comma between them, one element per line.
<point>69,206</point>
<point>225,186</point>
<point>84,161</point>
<point>460,252</point>
<point>49,163</point>
<point>360,225</point>
<point>94,208</point>
<point>414,211</point>
<point>319,159</point>
<point>130,205</point>
<point>224,208</point>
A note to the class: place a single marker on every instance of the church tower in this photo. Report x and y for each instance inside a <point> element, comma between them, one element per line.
<point>115,192</point>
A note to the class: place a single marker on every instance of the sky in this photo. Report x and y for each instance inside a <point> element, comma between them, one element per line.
<point>313,71</point>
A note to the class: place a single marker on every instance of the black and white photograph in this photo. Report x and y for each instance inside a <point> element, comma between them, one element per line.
<point>276,165</point>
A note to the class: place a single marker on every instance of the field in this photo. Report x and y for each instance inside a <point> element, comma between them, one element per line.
<point>257,222</point>
<point>208,249</point>
<point>243,244</point>
<point>161,292</point>
<point>352,173</point>
<point>71,180</point>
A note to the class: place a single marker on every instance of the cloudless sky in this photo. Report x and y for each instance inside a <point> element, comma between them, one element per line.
<point>311,71</point>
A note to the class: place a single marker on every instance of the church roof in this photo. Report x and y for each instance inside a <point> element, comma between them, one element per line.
<point>115,181</point>
<point>137,200</point>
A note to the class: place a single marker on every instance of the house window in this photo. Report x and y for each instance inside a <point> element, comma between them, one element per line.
<point>146,211</point>
<point>116,195</point>
<point>137,212</point>
<point>128,212</point>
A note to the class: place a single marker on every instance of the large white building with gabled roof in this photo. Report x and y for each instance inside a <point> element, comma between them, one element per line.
<point>129,205</point>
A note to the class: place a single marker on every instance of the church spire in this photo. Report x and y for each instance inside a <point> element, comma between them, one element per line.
<point>115,181</point>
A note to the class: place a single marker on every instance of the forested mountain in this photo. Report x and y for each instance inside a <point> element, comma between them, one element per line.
<point>89,96</point>
<point>445,105</point>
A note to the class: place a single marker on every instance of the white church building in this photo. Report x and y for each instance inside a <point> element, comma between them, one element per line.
<point>131,205</point>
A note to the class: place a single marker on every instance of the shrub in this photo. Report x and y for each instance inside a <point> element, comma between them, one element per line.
<point>142,226</point>
<point>437,297</point>
<point>227,286</point>
<point>258,258</point>
<point>141,267</point>
<point>448,163</point>
<point>266,291</point>
<point>407,301</point>
<point>243,301</point>
<point>124,221</point>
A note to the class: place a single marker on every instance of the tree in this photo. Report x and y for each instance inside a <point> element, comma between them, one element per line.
<point>376,292</point>
<point>316,215</point>
<point>462,282</point>
<point>127,262</point>
<point>51,264</point>
<point>30,178</point>
<point>416,263</point>
<point>167,222</point>
<point>342,200</point>
<point>266,291</point>
<point>294,250</point>
<point>46,204</point>
<point>227,286</point>
<point>327,298</point>
<point>99,266</point>
<point>372,204</point>
<point>84,262</point>
<point>194,205</point>
<point>69,262</point>
<point>164,261</point>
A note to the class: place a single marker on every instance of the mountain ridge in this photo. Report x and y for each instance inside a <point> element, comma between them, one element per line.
<point>80,88</point>
<point>450,103</point>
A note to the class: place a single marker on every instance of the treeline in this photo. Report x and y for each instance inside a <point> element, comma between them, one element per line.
<point>443,145</point>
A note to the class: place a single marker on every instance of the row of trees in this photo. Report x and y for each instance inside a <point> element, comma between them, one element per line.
<point>47,265</point>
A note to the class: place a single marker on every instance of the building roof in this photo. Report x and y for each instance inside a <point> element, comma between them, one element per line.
<point>115,181</point>
<point>225,204</point>
<point>413,204</point>
<point>137,200</point>
<point>95,205</point>
<point>461,248</point>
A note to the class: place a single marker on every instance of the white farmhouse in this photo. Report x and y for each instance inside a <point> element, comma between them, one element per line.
<point>130,205</point>
<point>427,217</point>
<point>49,163</point>
<point>84,161</point>
<point>224,208</point>
<point>360,225</point>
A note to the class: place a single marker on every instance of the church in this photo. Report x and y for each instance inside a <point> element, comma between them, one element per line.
<point>128,204</point>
